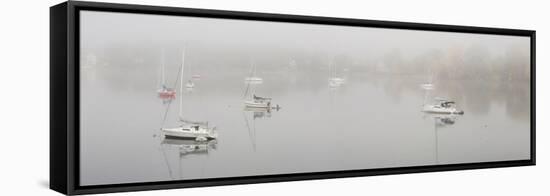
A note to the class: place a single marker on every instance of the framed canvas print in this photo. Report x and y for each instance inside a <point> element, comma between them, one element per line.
<point>147,97</point>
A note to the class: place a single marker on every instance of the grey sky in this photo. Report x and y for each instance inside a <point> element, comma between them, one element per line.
<point>100,29</point>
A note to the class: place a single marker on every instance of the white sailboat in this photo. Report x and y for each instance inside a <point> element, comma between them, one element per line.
<point>255,101</point>
<point>429,84</point>
<point>334,81</point>
<point>258,102</point>
<point>190,84</point>
<point>199,131</point>
<point>252,78</point>
<point>442,106</point>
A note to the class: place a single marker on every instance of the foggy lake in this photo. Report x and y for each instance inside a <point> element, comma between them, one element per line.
<point>373,120</point>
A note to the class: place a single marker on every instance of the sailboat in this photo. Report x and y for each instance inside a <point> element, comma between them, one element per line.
<point>429,84</point>
<point>334,81</point>
<point>258,102</point>
<point>190,84</point>
<point>442,106</point>
<point>255,101</point>
<point>253,78</point>
<point>199,131</point>
<point>194,76</point>
<point>165,92</point>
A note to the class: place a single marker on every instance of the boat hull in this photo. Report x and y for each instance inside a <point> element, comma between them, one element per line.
<point>433,110</point>
<point>253,79</point>
<point>166,93</point>
<point>188,133</point>
<point>427,86</point>
<point>252,104</point>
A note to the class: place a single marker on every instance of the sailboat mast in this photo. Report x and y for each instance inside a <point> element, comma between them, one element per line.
<point>181,83</point>
<point>330,68</point>
<point>254,68</point>
<point>162,70</point>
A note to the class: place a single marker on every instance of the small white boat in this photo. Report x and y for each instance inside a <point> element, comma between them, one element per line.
<point>442,107</point>
<point>334,81</point>
<point>190,84</point>
<point>427,86</point>
<point>338,80</point>
<point>258,102</point>
<point>253,77</point>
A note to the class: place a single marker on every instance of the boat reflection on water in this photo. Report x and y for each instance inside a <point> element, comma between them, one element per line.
<point>444,120</point>
<point>256,113</point>
<point>186,149</point>
<point>261,112</point>
<point>441,121</point>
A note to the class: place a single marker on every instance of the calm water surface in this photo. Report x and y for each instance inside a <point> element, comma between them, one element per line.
<point>373,121</point>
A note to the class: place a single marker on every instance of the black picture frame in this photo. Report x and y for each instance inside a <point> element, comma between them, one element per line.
<point>64,96</point>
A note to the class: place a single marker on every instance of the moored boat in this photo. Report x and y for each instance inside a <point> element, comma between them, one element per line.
<point>164,92</point>
<point>191,131</point>
<point>252,77</point>
<point>199,131</point>
<point>258,102</point>
<point>442,106</point>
